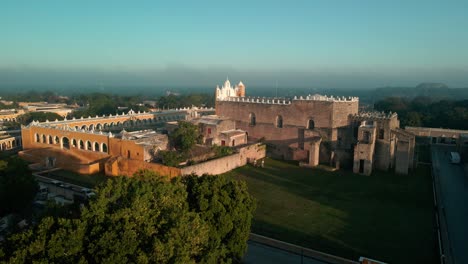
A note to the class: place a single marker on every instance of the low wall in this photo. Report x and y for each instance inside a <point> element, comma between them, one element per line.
<point>127,167</point>
<point>301,251</point>
<point>218,166</point>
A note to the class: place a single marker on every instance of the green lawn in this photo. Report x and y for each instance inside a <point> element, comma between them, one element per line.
<point>89,181</point>
<point>384,216</point>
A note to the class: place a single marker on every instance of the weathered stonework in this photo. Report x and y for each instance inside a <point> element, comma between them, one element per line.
<point>291,126</point>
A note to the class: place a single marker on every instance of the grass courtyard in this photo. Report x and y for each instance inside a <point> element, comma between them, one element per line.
<point>384,216</point>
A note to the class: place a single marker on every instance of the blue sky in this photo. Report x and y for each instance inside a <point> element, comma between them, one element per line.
<point>393,42</point>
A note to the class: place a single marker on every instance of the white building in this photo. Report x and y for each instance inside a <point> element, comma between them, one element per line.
<point>228,91</point>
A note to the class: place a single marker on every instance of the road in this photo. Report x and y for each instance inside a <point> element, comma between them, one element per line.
<point>68,193</point>
<point>453,196</point>
<point>263,254</point>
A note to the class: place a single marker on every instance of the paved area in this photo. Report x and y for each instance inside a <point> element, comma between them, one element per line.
<point>453,186</point>
<point>68,193</point>
<point>262,254</point>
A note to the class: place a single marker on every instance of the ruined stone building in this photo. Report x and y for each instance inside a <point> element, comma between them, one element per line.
<point>320,129</point>
<point>221,131</point>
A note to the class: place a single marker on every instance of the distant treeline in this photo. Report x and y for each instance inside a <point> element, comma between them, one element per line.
<point>93,104</point>
<point>427,112</point>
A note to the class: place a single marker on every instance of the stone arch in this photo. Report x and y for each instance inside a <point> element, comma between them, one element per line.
<point>99,126</point>
<point>84,127</point>
<point>81,144</point>
<point>3,146</point>
<point>50,140</point>
<point>96,146</point>
<point>91,127</point>
<point>105,126</point>
<point>119,123</point>
<point>56,140</point>
<point>37,138</point>
<point>73,143</point>
<point>310,123</point>
<point>279,121</point>
<point>77,127</point>
<point>88,145</point>
<point>65,143</point>
<point>44,139</point>
<point>252,119</point>
<point>104,147</point>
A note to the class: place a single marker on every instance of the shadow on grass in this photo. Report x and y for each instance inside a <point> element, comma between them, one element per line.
<point>300,238</point>
<point>384,216</point>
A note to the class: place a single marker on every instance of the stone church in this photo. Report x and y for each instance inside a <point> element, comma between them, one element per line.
<point>320,129</point>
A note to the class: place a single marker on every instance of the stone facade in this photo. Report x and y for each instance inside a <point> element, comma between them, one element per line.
<point>292,126</point>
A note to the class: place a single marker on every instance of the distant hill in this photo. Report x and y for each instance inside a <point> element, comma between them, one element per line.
<point>433,90</point>
<point>431,86</point>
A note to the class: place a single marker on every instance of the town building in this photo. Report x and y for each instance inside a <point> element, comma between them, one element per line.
<point>94,144</point>
<point>10,140</point>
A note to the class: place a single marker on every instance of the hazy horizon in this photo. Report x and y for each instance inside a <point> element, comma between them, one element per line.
<point>313,44</point>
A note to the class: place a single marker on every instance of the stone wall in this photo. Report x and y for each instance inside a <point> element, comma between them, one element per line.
<point>325,114</point>
<point>402,158</point>
<point>225,164</point>
<point>127,167</point>
<point>215,166</point>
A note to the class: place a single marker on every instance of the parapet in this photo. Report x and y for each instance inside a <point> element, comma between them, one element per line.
<point>374,115</point>
<point>287,101</point>
<point>130,113</point>
<point>257,100</point>
<point>318,97</point>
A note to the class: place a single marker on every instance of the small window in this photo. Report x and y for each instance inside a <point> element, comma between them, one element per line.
<point>279,121</point>
<point>253,119</point>
<point>381,134</point>
<point>209,131</point>
<point>310,124</point>
<point>366,136</point>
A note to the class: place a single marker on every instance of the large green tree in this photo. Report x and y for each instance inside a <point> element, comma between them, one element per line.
<point>18,187</point>
<point>228,208</point>
<point>185,136</point>
<point>145,219</point>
